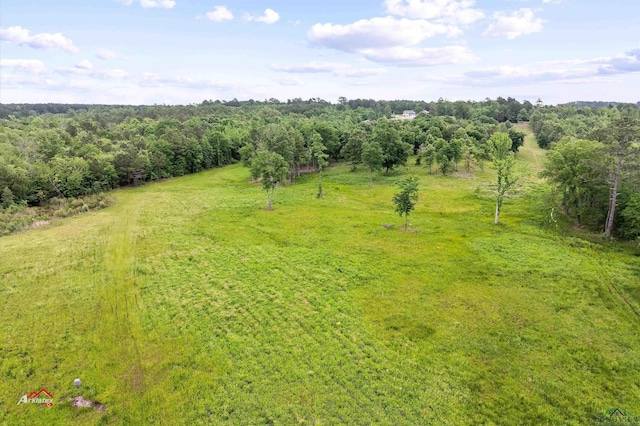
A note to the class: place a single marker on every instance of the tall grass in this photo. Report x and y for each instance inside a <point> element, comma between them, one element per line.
<point>186,302</point>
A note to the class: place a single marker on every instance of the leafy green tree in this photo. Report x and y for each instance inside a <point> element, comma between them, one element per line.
<point>470,158</point>
<point>330,138</point>
<point>631,217</point>
<point>246,154</point>
<point>6,198</point>
<point>372,157</point>
<point>575,167</point>
<point>523,115</point>
<point>621,138</point>
<point>444,155</point>
<point>456,147</point>
<point>320,156</point>
<point>405,199</point>
<point>127,160</point>
<point>428,155</point>
<point>395,152</point>
<point>352,150</point>
<point>217,140</point>
<point>503,161</point>
<point>517,139</point>
<point>70,176</point>
<point>272,169</point>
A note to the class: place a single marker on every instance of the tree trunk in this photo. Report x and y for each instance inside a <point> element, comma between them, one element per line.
<point>495,222</point>
<point>56,187</point>
<point>269,196</point>
<point>613,199</point>
<point>406,221</point>
<point>320,185</point>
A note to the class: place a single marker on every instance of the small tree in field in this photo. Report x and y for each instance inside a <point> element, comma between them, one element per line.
<point>271,168</point>
<point>428,154</point>
<point>405,199</point>
<point>372,158</point>
<point>318,153</point>
<point>503,161</point>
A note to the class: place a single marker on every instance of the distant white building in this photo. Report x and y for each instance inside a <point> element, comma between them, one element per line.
<point>408,114</point>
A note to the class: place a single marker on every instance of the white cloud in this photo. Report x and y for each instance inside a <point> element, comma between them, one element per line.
<point>29,66</point>
<point>421,56</point>
<point>110,74</point>
<point>85,69</point>
<point>377,33</point>
<point>219,14</point>
<point>290,81</point>
<point>516,24</point>
<point>270,16</point>
<point>47,41</point>
<point>106,54</point>
<point>622,64</point>
<point>523,75</point>
<point>364,72</point>
<point>309,68</point>
<point>392,41</point>
<point>568,71</point>
<point>163,4</point>
<point>154,80</point>
<point>342,70</point>
<point>84,65</point>
<point>448,11</point>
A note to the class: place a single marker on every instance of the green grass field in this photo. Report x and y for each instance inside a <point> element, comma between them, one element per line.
<point>188,303</point>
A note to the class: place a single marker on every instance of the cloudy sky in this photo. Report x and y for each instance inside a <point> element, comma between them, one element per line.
<point>186,51</point>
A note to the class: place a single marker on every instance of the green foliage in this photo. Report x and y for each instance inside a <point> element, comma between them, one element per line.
<point>185,303</point>
<point>71,150</point>
<point>372,157</point>
<point>523,115</point>
<point>271,168</point>
<point>446,154</point>
<point>470,158</point>
<point>517,139</point>
<point>405,199</point>
<point>428,155</point>
<point>575,166</point>
<point>503,162</point>
<point>6,198</point>
<point>395,152</point>
<point>16,217</point>
<point>631,217</point>
<point>320,157</point>
<point>352,149</point>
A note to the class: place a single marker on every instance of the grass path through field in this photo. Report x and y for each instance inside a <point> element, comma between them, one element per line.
<point>118,334</point>
<point>531,153</point>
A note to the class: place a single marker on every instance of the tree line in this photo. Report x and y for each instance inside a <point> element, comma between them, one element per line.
<point>594,164</point>
<point>52,156</point>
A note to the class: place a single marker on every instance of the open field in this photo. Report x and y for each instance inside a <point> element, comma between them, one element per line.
<point>188,303</point>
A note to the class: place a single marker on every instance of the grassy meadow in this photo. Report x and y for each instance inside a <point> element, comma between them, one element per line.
<point>186,302</point>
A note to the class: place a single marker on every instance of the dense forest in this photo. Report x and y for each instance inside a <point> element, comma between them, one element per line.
<point>59,159</point>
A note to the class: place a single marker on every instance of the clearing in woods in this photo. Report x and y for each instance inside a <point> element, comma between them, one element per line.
<point>187,303</point>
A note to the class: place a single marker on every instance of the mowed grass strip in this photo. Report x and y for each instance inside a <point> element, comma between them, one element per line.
<point>188,303</point>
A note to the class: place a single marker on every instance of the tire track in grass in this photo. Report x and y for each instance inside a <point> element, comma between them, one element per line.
<point>118,329</point>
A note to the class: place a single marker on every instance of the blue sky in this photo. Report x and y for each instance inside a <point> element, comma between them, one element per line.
<point>186,51</point>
